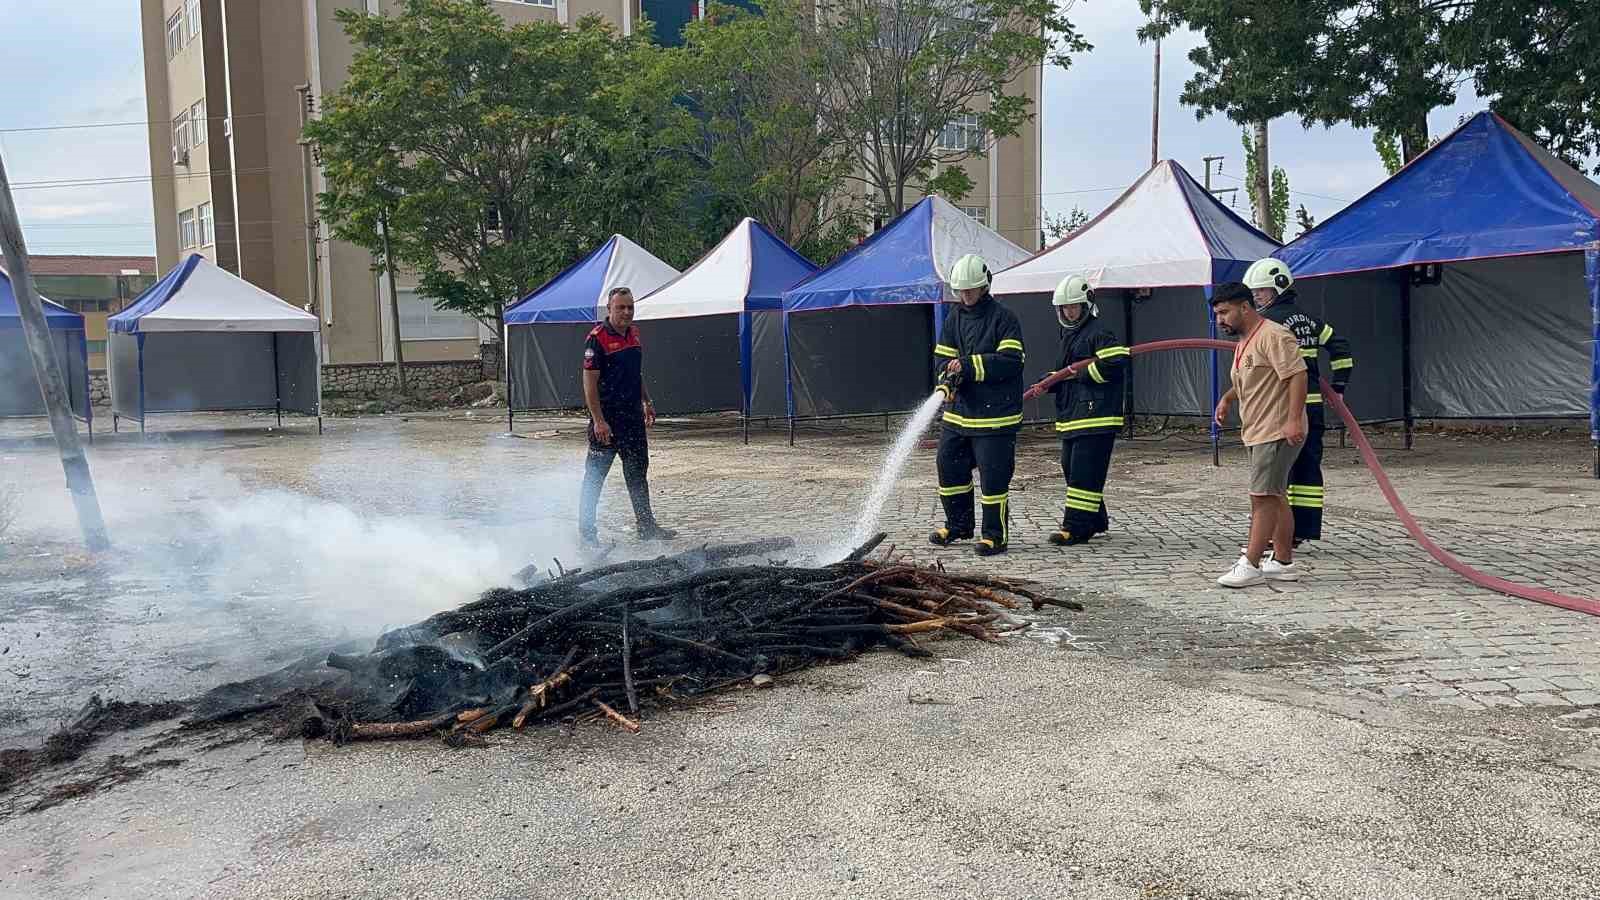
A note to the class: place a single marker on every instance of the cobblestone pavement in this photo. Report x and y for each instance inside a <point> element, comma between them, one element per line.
<point>1375,615</point>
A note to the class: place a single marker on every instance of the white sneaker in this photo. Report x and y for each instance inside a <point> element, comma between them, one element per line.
<point>1277,571</point>
<point>1242,575</point>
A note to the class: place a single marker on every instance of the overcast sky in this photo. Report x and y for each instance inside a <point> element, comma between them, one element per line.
<point>80,63</point>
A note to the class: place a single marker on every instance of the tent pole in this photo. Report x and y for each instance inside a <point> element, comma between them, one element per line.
<point>1591,277</point>
<point>277,382</point>
<point>1216,387</point>
<point>505,361</point>
<point>788,376</point>
<point>140,341</point>
<point>1405,358</point>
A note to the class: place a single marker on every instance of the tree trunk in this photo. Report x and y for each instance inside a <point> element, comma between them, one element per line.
<point>1414,138</point>
<point>394,308</point>
<point>1261,182</point>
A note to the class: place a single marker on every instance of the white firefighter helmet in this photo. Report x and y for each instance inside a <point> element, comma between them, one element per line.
<point>1072,290</point>
<point>970,272</point>
<point>1268,273</point>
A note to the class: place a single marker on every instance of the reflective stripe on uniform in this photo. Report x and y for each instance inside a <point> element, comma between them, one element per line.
<point>1309,352</point>
<point>1101,422</point>
<point>945,350</point>
<point>1327,334</point>
<point>956,491</point>
<point>1313,398</point>
<point>977,367</point>
<point>964,422</point>
<point>1111,352</point>
<point>1094,372</point>
<point>1084,501</point>
<point>1305,496</point>
<point>1009,344</point>
<point>1305,502</point>
<point>992,499</point>
<point>1000,500</point>
<point>1346,363</point>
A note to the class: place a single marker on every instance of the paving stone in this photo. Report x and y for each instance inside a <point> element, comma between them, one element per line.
<point>1541,699</point>
<point>1582,698</point>
<point>1485,687</point>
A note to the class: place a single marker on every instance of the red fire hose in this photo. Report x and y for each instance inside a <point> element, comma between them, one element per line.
<point>1330,397</point>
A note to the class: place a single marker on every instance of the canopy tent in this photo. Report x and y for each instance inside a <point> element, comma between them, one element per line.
<point>202,339</point>
<point>857,337</point>
<point>19,385</point>
<point>697,328</point>
<point>1479,266</point>
<point>1152,257</point>
<point>546,329</point>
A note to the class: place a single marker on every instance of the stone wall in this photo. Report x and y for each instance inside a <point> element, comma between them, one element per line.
<point>374,378</point>
<point>99,389</point>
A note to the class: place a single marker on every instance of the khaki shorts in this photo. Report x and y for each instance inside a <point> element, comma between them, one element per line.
<point>1269,468</point>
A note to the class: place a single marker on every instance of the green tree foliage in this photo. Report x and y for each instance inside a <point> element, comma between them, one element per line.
<point>1541,63</point>
<point>498,153</point>
<point>1058,226</point>
<point>1278,208</point>
<point>754,128</point>
<point>893,75</point>
<point>1388,148</point>
<point>1303,220</point>
<point>1383,64</point>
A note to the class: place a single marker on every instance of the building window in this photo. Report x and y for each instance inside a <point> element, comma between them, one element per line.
<point>204,225</point>
<point>180,131</point>
<point>175,34</point>
<point>963,133</point>
<point>97,346</point>
<point>981,213</point>
<point>186,231</point>
<point>192,13</point>
<point>419,321</point>
<point>491,219</point>
<point>197,123</point>
<point>551,4</point>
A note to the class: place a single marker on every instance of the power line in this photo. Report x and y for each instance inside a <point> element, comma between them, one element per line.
<point>78,126</point>
<point>1292,190</point>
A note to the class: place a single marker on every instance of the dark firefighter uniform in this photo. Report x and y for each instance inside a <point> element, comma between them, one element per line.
<point>619,358</point>
<point>982,417</point>
<point>1088,417</point>
<point>1306,492</point>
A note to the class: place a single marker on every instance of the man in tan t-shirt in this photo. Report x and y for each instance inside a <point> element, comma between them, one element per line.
<point>1269,381</point>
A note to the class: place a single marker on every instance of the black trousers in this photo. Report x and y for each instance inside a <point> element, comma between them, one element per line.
<point>1084,462</point>
<point>995,458</point>
<point>634,448</point>
<point>1305,486</point>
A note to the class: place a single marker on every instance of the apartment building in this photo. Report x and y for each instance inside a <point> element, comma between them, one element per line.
<point>228,84</point>
<point>96,287</point>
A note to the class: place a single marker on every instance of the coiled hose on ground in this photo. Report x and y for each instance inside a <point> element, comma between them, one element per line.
<point>1331,398</point>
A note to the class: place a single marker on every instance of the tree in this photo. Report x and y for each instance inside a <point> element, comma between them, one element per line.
<point>1384,65</point>
<point>1388,148</point>
<point>753,128</point>
<point>1269,194</point>
<point>1541,63</point>
<point>1059,226</point>
<point>906,86</point>
<point>497,153</point>
<point>1304,220</point>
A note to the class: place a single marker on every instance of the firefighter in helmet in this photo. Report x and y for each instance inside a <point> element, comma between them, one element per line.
<point>978,367</point>
<point>1271,286</point>
<point>1088,408</point>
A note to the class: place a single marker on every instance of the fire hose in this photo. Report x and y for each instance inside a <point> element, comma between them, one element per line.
<point>1330,397</point>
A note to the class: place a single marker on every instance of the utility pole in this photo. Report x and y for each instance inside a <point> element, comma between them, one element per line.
<point>394,304</point>
<point>1216,192</point>
<point>47,368</point>
<point>304,90</point>
<point>1155,107</point>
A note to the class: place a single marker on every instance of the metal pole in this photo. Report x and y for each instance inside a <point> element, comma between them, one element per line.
<point>277,382</point>
<point>309,200</point>
<point>1155,106</point>
<point>394,304</point>
<point>1216,390</point>
<point>1591,278</point>
<point>47,369</point>
<point>1405,358</point>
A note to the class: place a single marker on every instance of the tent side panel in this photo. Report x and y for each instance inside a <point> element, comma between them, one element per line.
<point>1177,383</point>
<point>298,368</point>
<point>193,371</point>
<point>1365,308</point>
<point>75,366</point>
<point>1503,338</point>
<point>19,389</point>
<point>767,393</point>
<point>122,367</point>
<point>692,365</point>
<point>861,360</point>
<point>1041,341</point>
<point>546,363</point>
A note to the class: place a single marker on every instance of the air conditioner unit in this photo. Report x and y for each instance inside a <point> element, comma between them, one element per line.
<point>180,155</point>
<point>227,127</point>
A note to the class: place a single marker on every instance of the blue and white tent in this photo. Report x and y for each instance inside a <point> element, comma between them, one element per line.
<point>697,328</point>
<point>856,338</point>
<point>19,387</point>
<point>202,339</point>
<point>1152,257</point>
<point>546,329</point>
<point>1472,281</point>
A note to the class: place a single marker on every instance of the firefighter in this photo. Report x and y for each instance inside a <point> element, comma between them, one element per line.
<point>978,366</point>
<point>1088,409</point>
<point>1271,286</point>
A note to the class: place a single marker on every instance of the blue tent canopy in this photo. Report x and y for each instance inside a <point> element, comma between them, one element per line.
<point>1475,271</point>
<point>58,317</point>
<point>568,297</point>
<point>127,321</point>
<point>1485,191</point>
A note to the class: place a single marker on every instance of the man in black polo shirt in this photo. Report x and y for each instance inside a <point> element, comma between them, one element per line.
<point>620,416</point>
